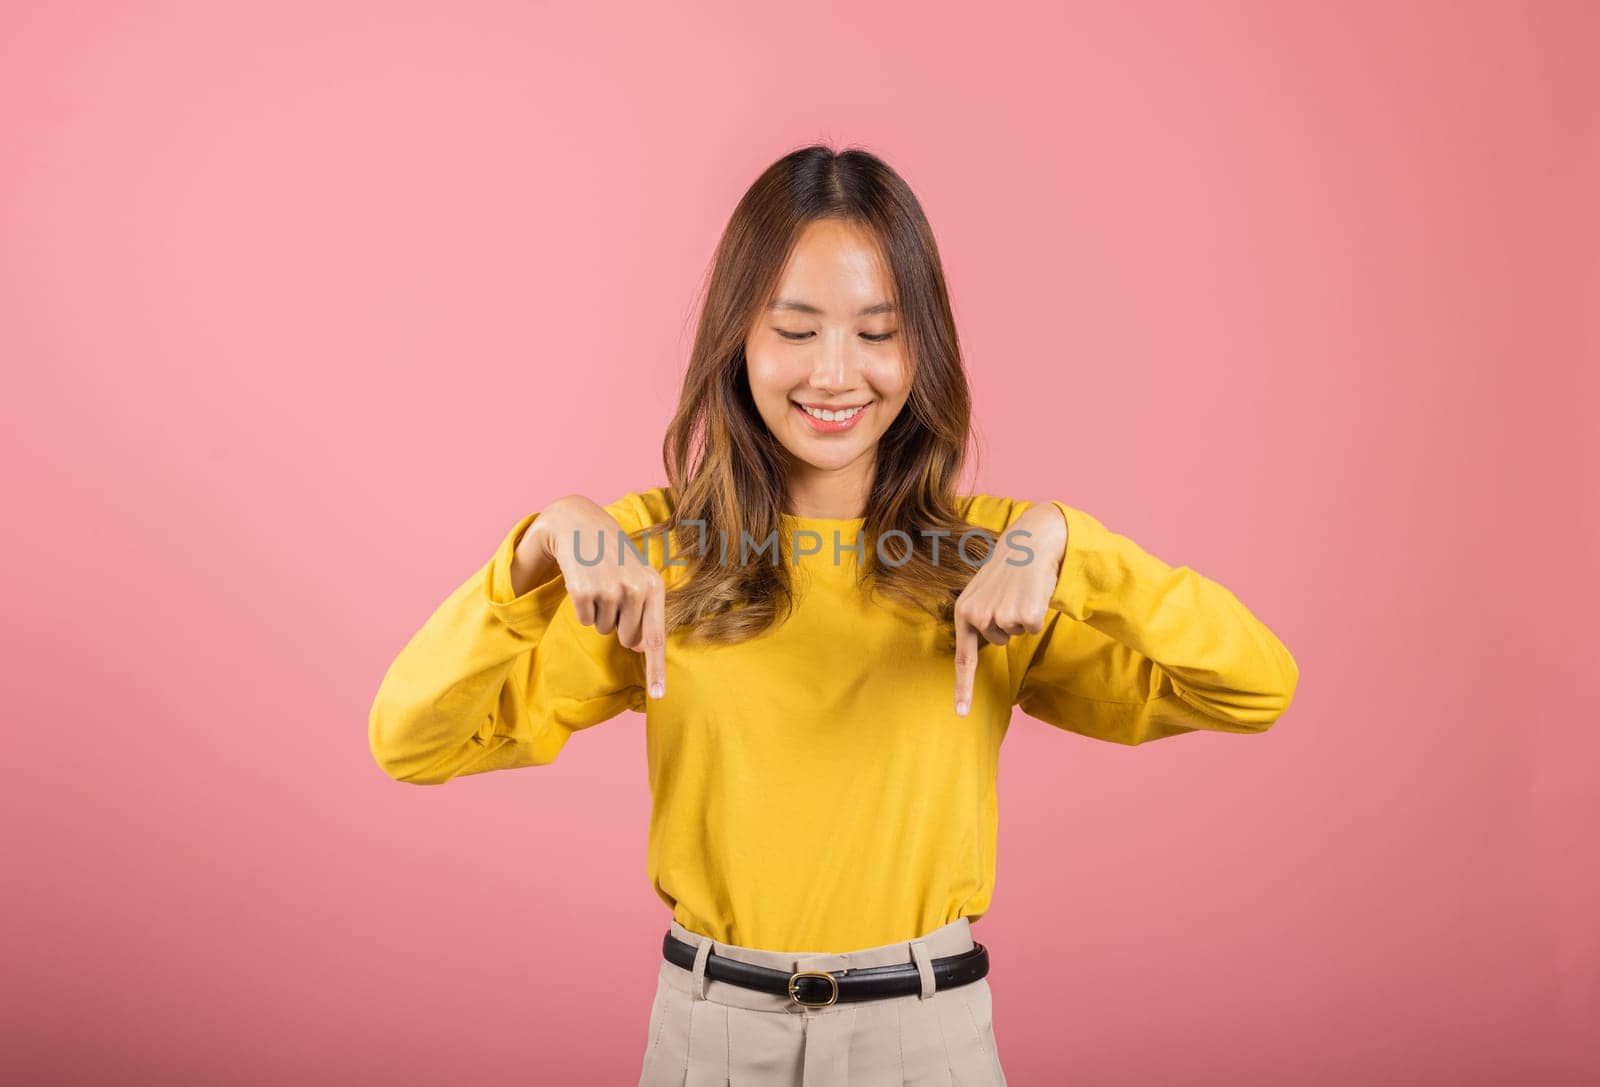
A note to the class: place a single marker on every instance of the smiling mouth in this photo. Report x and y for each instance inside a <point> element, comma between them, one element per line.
<point>831,420</point>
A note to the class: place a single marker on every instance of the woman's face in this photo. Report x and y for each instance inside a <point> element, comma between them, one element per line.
<point>831,339</point>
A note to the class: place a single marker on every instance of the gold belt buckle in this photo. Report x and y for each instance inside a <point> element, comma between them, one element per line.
<point>795,996</point>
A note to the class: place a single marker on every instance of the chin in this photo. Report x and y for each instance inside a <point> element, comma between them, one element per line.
<point>837,458</point>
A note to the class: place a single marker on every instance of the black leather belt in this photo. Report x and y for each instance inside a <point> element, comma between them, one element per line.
<point>818,989</point>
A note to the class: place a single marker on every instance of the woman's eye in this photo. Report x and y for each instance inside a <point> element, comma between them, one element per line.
<point>869,337</point>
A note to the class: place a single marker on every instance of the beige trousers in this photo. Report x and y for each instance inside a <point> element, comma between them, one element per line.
<point>709,1033</point>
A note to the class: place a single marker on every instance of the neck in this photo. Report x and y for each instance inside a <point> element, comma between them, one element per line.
<point>829,492</point>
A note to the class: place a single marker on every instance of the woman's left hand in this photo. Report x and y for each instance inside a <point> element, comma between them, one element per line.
<point>1010,593</point>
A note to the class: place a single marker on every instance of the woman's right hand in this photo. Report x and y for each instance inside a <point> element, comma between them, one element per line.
<point>627,596</point>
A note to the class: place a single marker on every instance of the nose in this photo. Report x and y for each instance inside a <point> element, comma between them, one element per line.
<point>837,368</point>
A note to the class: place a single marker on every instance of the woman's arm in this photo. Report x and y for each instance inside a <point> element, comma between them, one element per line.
<point>496,680</point>
<point>1136,650</point>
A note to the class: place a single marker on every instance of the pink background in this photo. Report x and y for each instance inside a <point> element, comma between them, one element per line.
<point>305,304</point>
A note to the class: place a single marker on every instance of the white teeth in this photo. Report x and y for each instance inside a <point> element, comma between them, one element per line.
<point>832,416</point>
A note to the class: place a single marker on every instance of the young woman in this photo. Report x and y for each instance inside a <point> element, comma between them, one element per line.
<point>827,643</point>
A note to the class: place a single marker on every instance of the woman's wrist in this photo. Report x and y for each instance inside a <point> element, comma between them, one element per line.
<point>534,561</point>
<point>1046,525</point>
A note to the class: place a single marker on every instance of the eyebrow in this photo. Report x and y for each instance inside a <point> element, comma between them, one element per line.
<point>806,307</point>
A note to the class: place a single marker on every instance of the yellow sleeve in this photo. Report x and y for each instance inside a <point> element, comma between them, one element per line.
<point>1135,650</point>
<point>494,681</point>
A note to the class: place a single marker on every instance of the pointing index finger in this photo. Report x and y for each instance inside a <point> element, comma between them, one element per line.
<point>966,664</point>
<point>655,642</point>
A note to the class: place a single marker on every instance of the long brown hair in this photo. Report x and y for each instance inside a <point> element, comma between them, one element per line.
<point>725,466</point>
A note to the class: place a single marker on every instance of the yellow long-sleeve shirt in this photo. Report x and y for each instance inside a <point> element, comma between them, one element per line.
<point>812,788</point>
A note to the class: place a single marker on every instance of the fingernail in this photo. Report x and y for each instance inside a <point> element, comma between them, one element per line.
<point>961,709</point>
<point>657,690</point>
